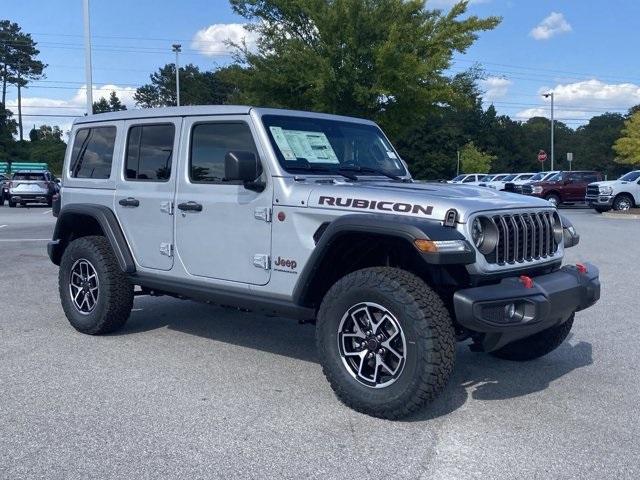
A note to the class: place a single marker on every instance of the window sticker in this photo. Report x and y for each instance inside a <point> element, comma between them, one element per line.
<point>312,146</point>
<point>283,144</point>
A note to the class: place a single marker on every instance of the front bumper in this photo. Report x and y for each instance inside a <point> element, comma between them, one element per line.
<point>601,200</point>
<point>509,311</point>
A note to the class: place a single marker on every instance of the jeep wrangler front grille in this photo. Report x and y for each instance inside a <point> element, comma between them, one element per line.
<point>523,237</point>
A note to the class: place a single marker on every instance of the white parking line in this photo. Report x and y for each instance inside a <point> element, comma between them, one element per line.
<point>47,212</point>
<point>24,239</point>
<point>2,226</point>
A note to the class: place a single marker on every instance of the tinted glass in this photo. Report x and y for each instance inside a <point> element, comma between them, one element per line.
<point>149,152</point>
<point>508,178</point>
<point>486,178</point>
<point>498,178</point>
<point>29,176</point>
<point>210,142</point>
<point>469,179</point>
<point>458,178</point>
<point>92,152</point>
<point>555,178</point>
<point>525,177</point>
<point>538,176</point>
<point>317,144</point>
<point>630,177</point>
<point>589,177</point>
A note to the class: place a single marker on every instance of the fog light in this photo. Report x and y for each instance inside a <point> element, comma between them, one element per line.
<point>510,311</point>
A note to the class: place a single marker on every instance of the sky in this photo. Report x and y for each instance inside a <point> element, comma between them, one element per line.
<point>582,50</point>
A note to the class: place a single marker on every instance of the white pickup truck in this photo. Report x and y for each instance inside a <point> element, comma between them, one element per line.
<point>620,194</point>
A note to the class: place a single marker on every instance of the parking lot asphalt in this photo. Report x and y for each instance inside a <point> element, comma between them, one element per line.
<point>189,390</point>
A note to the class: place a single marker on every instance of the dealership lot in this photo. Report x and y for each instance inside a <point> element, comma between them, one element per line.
<point>191,390</point>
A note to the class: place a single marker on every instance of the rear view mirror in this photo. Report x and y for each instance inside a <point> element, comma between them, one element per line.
<point>244,167</point>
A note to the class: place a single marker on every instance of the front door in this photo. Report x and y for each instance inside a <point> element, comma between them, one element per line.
<point>145,190</point>
<point>223,229</point>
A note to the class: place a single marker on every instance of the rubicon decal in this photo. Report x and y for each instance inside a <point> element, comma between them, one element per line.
<point>383,205</point>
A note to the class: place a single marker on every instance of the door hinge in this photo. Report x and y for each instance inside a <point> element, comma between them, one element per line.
<point>166,249</point>
<point>262,213</point>
<point>262,260</point>
<point>166,207</point>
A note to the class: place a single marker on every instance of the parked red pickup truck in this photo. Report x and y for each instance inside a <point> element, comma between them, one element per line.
<point>563,187</point>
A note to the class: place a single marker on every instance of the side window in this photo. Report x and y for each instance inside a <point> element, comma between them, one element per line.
<point>92,152</point>
<point>589,177</point>
<point>149,152</point>
<point>468,179</point>
<point>210,142</point>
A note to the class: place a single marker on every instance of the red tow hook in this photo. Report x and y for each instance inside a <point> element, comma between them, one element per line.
<point>581,267</point>
<point>526,281</point>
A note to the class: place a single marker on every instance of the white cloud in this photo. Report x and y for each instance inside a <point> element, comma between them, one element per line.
<point>214,39</point>
<point>551,26</point>
<point>585,99</point>
<point>494,88</point>
<point>40,109</point>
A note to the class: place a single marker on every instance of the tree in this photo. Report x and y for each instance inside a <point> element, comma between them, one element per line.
<point>8,128</point>
<point>385,59</point>
<point>627,147</point>
<point>593,142</point>
<point>112,105</point>
<point>475,161</point>
<point>196,87</point>
<point>46,133</point>
<point>18,60</point>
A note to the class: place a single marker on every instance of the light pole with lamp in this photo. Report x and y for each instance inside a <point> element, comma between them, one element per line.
<point>176,47</point>
<point>550,95</point>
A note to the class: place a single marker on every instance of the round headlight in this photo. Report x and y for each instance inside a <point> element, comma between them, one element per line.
<point>556,225</point>
<point>484,234</point>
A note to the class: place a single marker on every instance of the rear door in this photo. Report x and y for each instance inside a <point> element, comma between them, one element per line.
<point>145,190</point>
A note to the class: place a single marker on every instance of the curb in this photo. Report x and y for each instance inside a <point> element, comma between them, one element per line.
<point>626,216</point>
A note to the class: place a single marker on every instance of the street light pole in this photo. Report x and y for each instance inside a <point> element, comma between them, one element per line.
<point>547,95</point>
<point>176,47</point>
<point>87,56</point>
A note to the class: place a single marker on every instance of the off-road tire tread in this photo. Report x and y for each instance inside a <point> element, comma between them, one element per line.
<point>433,325</point>
<point>536,345</point>
<point>114,287</point>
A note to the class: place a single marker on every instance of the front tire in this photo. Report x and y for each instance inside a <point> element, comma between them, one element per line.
<point>623,202</point>
<point>537,345</point>
<point>96,295</point>
<point>553,199</point>
<point>386,342</point>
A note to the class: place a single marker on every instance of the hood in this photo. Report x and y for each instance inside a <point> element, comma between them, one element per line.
<point>607,183</point>
<point>424,200</point>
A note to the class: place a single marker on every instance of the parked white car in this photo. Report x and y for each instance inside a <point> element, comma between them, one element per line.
<point>620,194</point>
<point>471,178</point>
<point>511,178</point>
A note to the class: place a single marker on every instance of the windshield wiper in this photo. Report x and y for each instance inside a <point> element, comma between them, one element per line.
<point>359,169</point>
<point>316,169</point>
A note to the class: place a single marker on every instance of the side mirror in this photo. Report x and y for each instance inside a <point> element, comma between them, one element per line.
<point>244,167</point>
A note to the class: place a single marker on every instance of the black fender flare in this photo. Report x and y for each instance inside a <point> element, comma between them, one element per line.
<point>108,222</point>
<point>406,228</point>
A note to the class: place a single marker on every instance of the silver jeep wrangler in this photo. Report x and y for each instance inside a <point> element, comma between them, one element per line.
<point>313,217</point>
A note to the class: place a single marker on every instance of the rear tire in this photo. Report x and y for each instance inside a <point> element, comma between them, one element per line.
<point>96,295</point>
<point>536,345</point>
<point>421,351</point>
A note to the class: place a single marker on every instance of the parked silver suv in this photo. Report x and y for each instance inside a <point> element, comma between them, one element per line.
<point>313,217</point>
<point>32,186</point>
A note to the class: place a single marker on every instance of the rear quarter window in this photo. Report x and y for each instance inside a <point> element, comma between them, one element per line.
<point>92,153</point>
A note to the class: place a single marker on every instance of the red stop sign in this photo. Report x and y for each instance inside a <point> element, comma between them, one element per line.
<point>542,156</point>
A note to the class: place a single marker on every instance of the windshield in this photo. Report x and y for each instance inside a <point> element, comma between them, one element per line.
<point>630,177</point>
<point>525,177</point>
<point>509,177</point>
<point>538,176</point>
<point>317,145</point>
<point>486,178</point>
<point>459,178</point>
<point>28,176</point>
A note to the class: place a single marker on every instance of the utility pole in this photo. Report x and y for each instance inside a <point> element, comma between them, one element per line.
<point>176,48</point>
<point>20,104</point>
<point>547,95</point>
<point>87,56</point>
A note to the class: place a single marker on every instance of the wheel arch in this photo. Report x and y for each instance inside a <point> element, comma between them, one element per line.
<point>625,194</point>
<point>354,242</point>
<point>81,220</point>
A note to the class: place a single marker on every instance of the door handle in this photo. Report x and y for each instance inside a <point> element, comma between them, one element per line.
<point>190,207</point>
<point>129,202</point>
